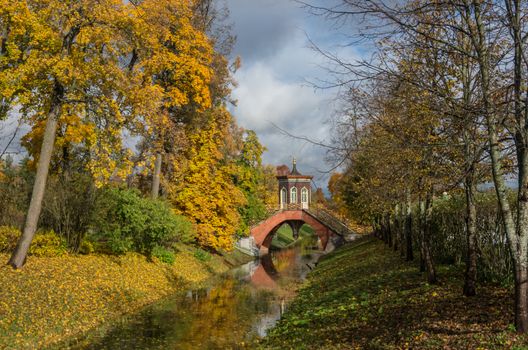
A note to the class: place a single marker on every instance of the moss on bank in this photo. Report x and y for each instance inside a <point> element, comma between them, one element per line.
<point>363,296</point>
<point>54,299</point>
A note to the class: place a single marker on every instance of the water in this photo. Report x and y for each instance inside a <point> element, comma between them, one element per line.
<point>231,314</point>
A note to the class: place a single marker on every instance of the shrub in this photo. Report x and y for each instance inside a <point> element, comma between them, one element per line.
<point>67,206</point>
<point>86,247</point>
<point>202,255</point>
<point>163,254</point>
<point>125,221</point>
<point>8,238</point>
<point>47,244</point>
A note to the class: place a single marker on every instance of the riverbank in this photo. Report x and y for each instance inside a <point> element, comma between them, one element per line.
<point>52,300</point>
<point>365,296</point>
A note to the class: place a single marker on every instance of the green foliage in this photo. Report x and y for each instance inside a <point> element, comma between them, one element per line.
<point>86,247</point>
<point>47,244</point>
<point>202,255</point>
<point>163,254</point>
<point>8,238</point>
<point>251,181</point>
<point>126,221</point>
<point>68,205</point>
<point>449,235</point>
<point>15,189</point>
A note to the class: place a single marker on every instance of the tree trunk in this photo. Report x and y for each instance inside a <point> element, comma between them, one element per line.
<point>421,229</point>
<point>389,229</point>
<point>429,263</point>
<point>521,295</point>
<point>516,238</point>
<point>402,230</point>
<point>156,176</point>
<point>515,17</point>
<point>18,258</point>
<point>470,282</point>
<point>396,228</point>
<point>408,228</point>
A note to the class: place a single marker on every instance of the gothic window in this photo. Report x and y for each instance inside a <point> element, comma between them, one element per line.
<point>283,199</point>
<point>304,195</point>
<point>293,195</point>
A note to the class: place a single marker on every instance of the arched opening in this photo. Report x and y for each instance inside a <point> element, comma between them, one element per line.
<point>264,233</point>
<point>290,233</point>
<point>282,237</point>
<point>293,195</point>
<point>283,198</point>
<point>304,198</point>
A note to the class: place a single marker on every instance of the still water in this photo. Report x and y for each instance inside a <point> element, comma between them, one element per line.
<point>231,314</point>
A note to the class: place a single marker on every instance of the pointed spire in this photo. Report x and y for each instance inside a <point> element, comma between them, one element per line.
<point>294,170</point>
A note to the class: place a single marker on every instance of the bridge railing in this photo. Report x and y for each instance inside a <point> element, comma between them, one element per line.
<point>327,217</point>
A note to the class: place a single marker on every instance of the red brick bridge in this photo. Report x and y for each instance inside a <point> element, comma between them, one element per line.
<point>325,226</point>
<point>294,194</point>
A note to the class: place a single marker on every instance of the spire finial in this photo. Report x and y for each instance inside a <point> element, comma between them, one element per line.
<point>294,170</point>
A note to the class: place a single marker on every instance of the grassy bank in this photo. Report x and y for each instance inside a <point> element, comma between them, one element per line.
<point>363,296</point>
<point>284,236</point>
<point>54,299</point>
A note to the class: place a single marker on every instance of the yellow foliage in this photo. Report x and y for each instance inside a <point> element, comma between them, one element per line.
<point>206,194</point>
<point>8,238</point>
<point>70,295</point>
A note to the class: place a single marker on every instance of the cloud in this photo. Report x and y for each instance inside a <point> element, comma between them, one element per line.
<point>262,27</point>
<point>276,65</point>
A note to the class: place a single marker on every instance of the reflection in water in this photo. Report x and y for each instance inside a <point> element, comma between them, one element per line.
<point>229,315</point>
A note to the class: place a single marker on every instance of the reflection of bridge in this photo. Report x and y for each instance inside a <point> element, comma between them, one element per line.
<point>325,225</point>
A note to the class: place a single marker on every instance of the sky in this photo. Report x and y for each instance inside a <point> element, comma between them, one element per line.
<point>274,86</point>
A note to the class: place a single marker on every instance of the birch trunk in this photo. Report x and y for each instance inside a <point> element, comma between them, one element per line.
<point>470,280</point>
<point>428,257</point>
<point>396,228</point>
<point>421,228</point>
<point>408,228</point>
<point>517,233</point>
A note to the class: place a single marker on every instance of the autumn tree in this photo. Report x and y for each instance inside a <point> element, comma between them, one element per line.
<point>68,69</point>
<point>485,39</point>
<point>176,57</point>
<point>205,191</point>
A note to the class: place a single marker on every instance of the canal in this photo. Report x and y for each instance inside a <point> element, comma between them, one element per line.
<point>233,312</point>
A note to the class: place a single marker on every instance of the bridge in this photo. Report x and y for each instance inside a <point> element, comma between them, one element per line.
<point>328,228</point>
<point>296,211</point>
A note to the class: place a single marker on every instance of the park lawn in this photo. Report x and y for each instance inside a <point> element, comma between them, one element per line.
<point>52,300</point>
<point>364,296</point>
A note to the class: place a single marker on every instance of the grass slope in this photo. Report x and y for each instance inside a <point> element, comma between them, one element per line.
<point>363,296</point>
<point>284,236</point>
<point>52,300</point>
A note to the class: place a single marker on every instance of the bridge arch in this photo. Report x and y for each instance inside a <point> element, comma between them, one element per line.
<point>263,233</point>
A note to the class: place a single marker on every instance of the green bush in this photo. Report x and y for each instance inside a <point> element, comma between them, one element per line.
<point>125,221</point>
<point>202,255</point>
<point>163,254</point>
<point>47,244</point>
<point>8,238</point>
<point>86,247</point>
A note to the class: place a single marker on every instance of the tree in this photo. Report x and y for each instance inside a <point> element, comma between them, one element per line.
<point>69,63</point>
<point>176,57</point>
<point>205,192</point>
<point>488,39</point>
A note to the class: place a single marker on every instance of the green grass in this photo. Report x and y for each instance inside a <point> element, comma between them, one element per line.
<point>284,236</point>
<point>364,296</point>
